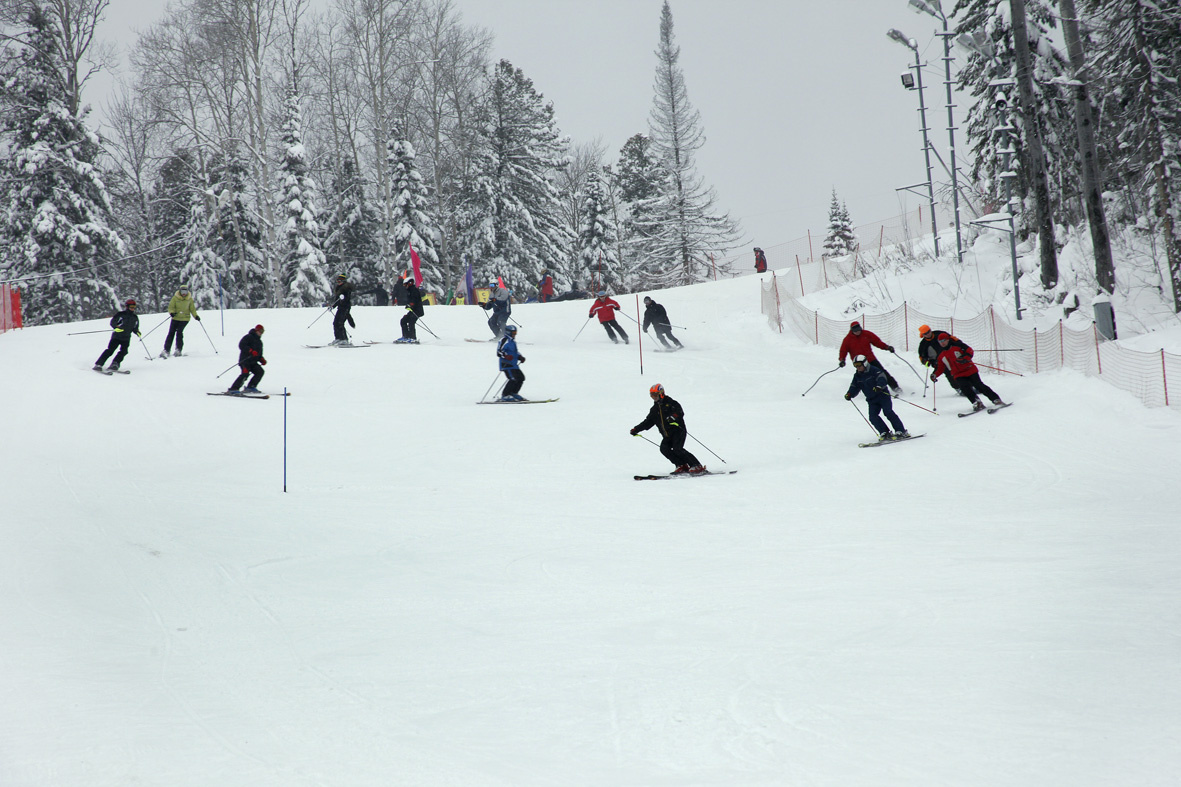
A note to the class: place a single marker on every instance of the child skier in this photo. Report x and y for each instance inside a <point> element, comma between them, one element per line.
<point>510,363</point>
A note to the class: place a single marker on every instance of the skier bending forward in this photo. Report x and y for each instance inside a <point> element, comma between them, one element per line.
<point>667,415</point>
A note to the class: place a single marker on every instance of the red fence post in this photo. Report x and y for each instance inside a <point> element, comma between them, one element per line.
<point>1098,357</point>
<point>1035,364</point>
<point>801,275</point>
<point>778,305</point>
<point>1061,346</point>
<point>1164,375</point>
<point>817,327</point>
<point>906,325</point>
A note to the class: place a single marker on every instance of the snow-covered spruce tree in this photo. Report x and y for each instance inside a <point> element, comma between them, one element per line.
<point>411,222</point>
<point>176,185</point>
<point>237,235</point>
<point>1139,52</point>
<point>510,220</point>
<point>305,279</point>
<point>840,240</point>
<point>989,74</point>
<point>682,228</point>
<point>57,229</point>
<point>203,269</point>
<point>352,241</point>
<point>596,241</point>
<point>640,179</point>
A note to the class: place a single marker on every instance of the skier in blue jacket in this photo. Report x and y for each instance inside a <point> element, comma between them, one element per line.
<point>510,363</point>
<point>872,381</point>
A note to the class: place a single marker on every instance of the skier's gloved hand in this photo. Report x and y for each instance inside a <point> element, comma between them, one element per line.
<point>263,361</point>
<point>351,323</point>
<point>877,389</point>
<point>118,330</point>
<point>842,364</point>
<point>172,315</point>
<point>197,317</point>
<point>633,432</point>
<point>890,349</point>
<point>521,358</point>
<point>848,397</point>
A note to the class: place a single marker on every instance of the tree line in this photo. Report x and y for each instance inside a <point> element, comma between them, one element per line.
<point>257,147</point>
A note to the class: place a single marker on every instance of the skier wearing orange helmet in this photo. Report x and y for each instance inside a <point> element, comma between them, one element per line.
<point>668,416</point>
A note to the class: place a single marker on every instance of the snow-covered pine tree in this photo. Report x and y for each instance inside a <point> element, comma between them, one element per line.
<point>305,279</point>
<point>596,242</point>
<point>682,228</point>
<point>640,179</point>
<point>237,236</point>
<point>1139,52</point>
<point>411,222</point>
<point>840,240</point>
<point>352,241</point>
<point>58,240</point>
<point>510,222</point>
<point>206,273</point>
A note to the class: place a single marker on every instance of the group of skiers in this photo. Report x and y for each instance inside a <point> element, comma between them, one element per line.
<point>943,353</point>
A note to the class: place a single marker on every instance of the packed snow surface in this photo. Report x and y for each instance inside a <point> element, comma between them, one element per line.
<point>455,594</point>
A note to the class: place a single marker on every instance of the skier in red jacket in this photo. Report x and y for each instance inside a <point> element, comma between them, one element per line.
<point>957,362</point>
<point>861,342</point>
<point>605,308</point>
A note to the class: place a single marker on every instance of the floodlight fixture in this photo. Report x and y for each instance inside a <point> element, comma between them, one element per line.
<point>908,80</point>
<point>900,37</point>
<point>927,7</point>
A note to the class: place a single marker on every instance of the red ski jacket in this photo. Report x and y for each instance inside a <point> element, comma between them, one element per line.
<point>861,345</point>
<point>606,309</point>
<point>956,367</point>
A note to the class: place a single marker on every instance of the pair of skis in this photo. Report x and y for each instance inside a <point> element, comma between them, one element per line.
<point>244,395</point>
<point>989,410</point>
<point>671,476</point>
<point>109,372</point>
<point>519,401</point>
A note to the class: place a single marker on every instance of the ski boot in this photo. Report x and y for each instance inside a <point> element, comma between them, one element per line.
<point>681,470</point>
<point>697,470</point>
<point>977,406</point>
<point>885,437</point>
<point>251,390</point>
<point>163,354</point>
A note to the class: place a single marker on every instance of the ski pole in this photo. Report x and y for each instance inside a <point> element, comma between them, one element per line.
<point>998,350</point>
<point>146,350</point>
<point>166,319</point>
<point>485,396</point>
<point>916,374</point>
<point>637,434</point>
<point>625,314</point>
<point>863,418</point>
<point>228,368</point>
<point>428,330</point>
<point>321,315</point>
<point>588,319</point>
<point>912,404</point>
<point>83,333</point>
<point>707,448</point>
<point>813,385</point>
<point>211,344</point>
<point>995,369</point>
<point>514,319</point>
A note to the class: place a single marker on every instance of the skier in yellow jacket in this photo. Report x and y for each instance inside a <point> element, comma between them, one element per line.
<point>181,308</point>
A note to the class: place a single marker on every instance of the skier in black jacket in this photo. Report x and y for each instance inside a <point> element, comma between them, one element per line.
<point>250,361</point>
<point>667,415</point>
<point>930,349</point>
<point>342,301</point>
<point>655,315</point>
<point>413,312</point>
<point>125,323</point>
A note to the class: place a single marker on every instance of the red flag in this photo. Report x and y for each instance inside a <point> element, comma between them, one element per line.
<point>416,264</point>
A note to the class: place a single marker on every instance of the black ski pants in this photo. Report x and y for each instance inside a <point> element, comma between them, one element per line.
<point>120,342</point>
<point>338,331</point>
<point>972,385</point>
<point>883,404</point>
<point>663,333</point>
<point>176,330</point>
<point>516,378</point>
<point>409,327</point>
<point>673,448</point>
<point>248,368</point>
<point>611,326</point>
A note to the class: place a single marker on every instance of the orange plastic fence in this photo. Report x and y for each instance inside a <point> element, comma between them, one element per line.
<point>1000,348</point>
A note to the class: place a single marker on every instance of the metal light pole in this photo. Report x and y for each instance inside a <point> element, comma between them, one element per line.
<point>913,45</point>
<point>933,8</point>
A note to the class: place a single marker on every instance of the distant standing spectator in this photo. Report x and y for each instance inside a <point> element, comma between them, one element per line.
<point>657,317</point>
<point>400,291</point>
<point>250,361</point>
<point>760,261</point>
<point>861,342</point>
<point>181,308</point>
<point>124,324</point>
<point>605,308</point>
<point>545,288</point>
<point>413,312</point>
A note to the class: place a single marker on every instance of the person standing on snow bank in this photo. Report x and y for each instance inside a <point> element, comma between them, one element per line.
<point>605,308</point>
<point>413,312</point>
<point>250,361</point>
<point>957,362</point>
<point>181,308</point>
<point>861,342</point>
<point>929,350</point>
<point>510,363</point>
<point>501,306</point>
<point>871,381</point>
<point>668,416</point>
<point>760,261</point>
<point>342,301</point>
<point>657,317</point>
<point>124,324</point>
<point>545,288</point>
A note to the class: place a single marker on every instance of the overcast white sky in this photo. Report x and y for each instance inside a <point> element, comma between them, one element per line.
<point>796,96</point>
